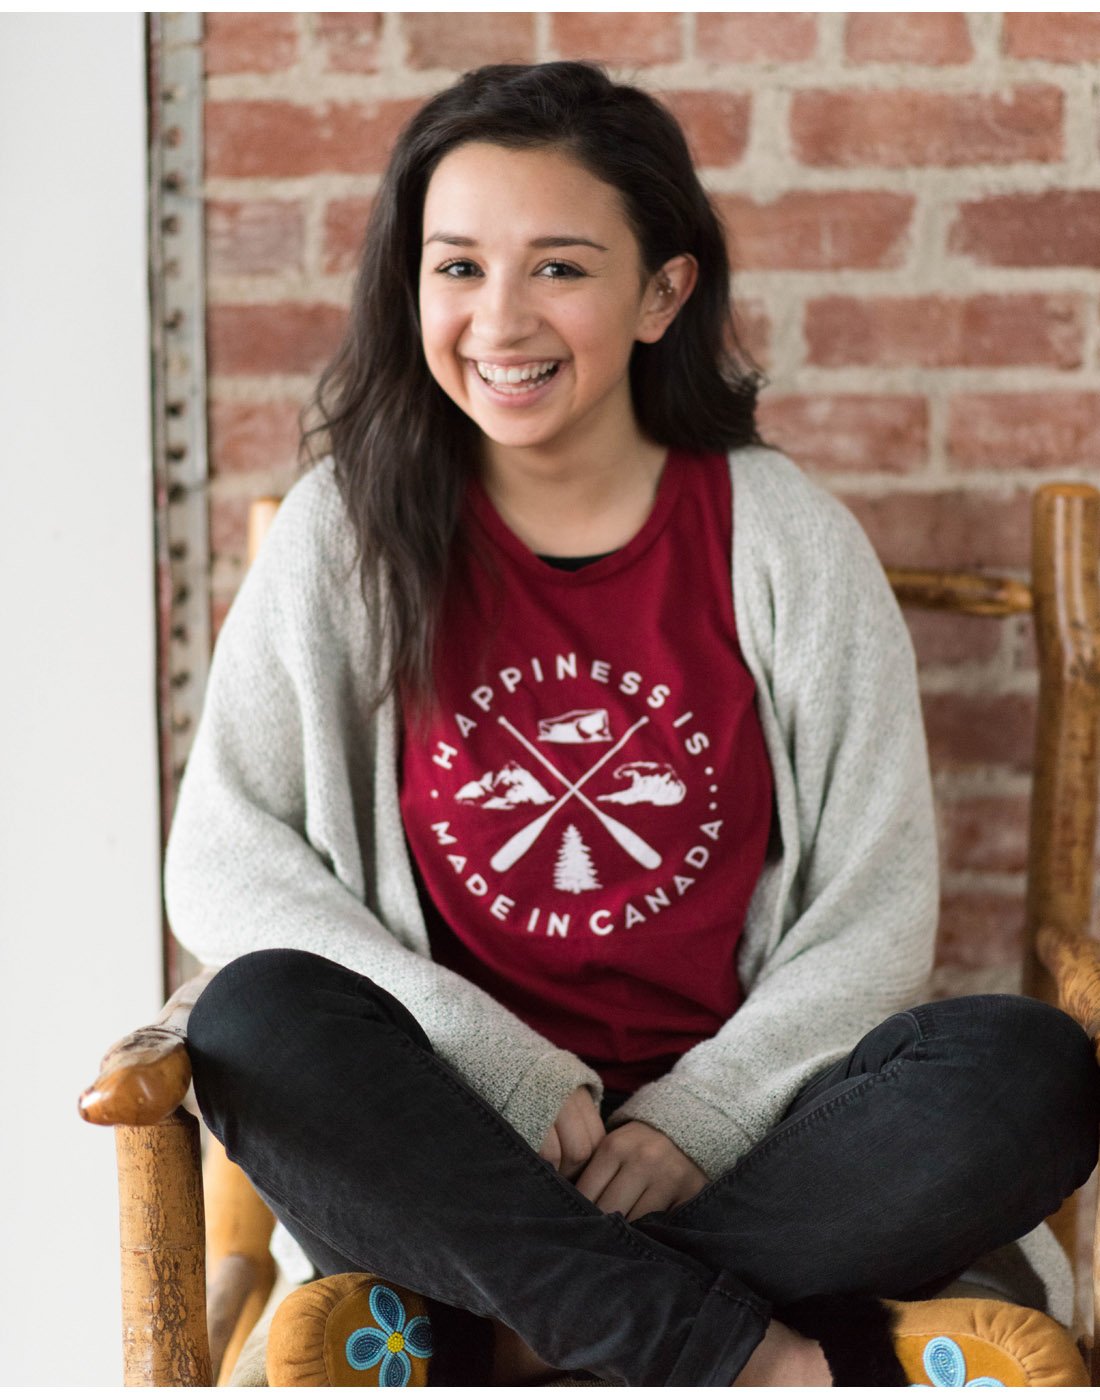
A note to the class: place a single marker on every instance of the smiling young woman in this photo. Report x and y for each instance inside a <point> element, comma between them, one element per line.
<point>573,870</point>
<point>529,325</point>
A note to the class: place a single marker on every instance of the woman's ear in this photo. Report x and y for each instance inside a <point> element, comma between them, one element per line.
<point>666,291</point>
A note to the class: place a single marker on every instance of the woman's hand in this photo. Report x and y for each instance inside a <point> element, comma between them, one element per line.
<point>574,1134</point>
<point>635,1169</point>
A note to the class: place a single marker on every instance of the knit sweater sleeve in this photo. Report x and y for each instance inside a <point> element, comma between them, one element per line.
<point>854,897</point>
<point>271,840</point>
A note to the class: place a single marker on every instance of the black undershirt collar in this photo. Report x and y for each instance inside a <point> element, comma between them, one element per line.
<point>572,562</point>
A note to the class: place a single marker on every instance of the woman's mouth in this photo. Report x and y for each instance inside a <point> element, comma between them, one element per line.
<point>516,381</point>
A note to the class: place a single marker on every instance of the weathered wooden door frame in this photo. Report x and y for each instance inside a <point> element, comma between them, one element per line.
<point>178,373</point>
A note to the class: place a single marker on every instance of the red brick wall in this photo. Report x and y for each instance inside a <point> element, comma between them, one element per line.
<point>914,206</point>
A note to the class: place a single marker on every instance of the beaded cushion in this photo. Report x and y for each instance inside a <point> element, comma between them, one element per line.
<point>350,1329</point>
<point>356,1329</point>
<point>983,1342</point>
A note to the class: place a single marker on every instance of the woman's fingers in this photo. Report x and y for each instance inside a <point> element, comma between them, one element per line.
<point>597,1176</point>
<point>580,1130</point>
<point>628,1191</point>
<point>636,1169</point>
<point>652,1198</point>
<point>551,1147</point>
<point>624,1193</point>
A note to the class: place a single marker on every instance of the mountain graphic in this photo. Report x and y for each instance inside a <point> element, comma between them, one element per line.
<point>511,787</point>
<point>656,783</point>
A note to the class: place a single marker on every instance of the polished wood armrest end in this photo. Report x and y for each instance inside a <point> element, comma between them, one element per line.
<point>141,1081</point>
<point>145,1076</point>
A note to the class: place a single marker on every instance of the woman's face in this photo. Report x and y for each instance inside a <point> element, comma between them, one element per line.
<point>528,265</point>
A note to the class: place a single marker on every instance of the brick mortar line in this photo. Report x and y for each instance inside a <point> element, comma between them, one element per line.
<point>312,242</point>
<point>542,36</point>
<point>875,485</point>
<point>971,679</point>
<point>1090,351</point>
<point>924,256</point>
<point>851,380</point>
<point>770,176</point>
<point>330,184</point>
<point>954,785</point>
<point>971,881</point>
<point>769,141</point>
<point>986,35</point>
<point>261,388</point>
<point>788,342</point>
<point>866,285</point>
<point>1078,124</point>
<point>237,487</point>
<point>766,181</point>
<point>301,84</point>
<point>830,40</point>
<point>974,674</point>
<point>958,281</point>
<point>935,679</point>
<point>948,979</point>
<point>395,44</point>
<point>917,379</point>
<point>689,36</point>
<point>309,49</point>
<point>937,467</point>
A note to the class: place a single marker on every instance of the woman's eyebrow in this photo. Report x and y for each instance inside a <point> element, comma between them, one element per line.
<point>552,240</point>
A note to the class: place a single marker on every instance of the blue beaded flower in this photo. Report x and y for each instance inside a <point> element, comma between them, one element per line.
<point>389,1343</point>
<point>946,1365</point>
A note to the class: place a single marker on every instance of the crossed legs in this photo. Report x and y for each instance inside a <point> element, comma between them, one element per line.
<point>949,1130</point>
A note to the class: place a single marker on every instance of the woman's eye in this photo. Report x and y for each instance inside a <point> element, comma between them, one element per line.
<point>562,270</point>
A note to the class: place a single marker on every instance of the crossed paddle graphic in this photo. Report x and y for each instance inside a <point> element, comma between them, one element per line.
<point>519,844</point>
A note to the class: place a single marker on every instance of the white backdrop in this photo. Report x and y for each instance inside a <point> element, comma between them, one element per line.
<point>79,889</point>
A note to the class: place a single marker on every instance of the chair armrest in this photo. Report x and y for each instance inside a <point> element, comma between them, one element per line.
<point>164,1337</point>
<point>1074,962</point>
<point>145,1076</point>
<point>141,1090</point>
<point>141,1084</point>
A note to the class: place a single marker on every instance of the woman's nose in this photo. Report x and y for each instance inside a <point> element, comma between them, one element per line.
<point>503,312</point>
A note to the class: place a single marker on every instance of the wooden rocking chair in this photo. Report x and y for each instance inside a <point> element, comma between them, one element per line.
<point>177,1331</point>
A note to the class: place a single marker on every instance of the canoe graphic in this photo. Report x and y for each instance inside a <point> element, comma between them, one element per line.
<point>576,727</point>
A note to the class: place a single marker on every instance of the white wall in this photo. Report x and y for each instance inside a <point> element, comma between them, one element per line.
<point>79,892</point>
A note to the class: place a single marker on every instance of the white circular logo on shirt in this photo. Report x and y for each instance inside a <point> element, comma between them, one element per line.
<point>598,830</point>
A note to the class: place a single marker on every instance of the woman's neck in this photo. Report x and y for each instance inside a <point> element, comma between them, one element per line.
<point>578,508</point>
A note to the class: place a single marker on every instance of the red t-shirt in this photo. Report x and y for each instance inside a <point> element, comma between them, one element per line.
<point>589,811</point>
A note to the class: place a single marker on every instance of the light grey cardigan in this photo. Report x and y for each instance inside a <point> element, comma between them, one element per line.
<point>287,832</point>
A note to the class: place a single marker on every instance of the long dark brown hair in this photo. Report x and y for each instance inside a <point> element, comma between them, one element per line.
<point>402,449</point>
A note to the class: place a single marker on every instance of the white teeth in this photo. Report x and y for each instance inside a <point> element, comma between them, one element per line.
<point>515,374</point>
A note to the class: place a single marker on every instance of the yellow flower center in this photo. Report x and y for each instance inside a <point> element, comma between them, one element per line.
<point>396,1342</point>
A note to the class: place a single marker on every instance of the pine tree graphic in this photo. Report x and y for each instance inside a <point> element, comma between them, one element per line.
<point>574,870</point>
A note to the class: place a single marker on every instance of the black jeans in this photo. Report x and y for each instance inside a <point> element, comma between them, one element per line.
<point>950,1130</point>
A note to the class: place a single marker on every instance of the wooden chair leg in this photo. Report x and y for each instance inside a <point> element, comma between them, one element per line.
<point>164,1337</point>
<point>1062,842</point>
<point>1092,1360</point>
